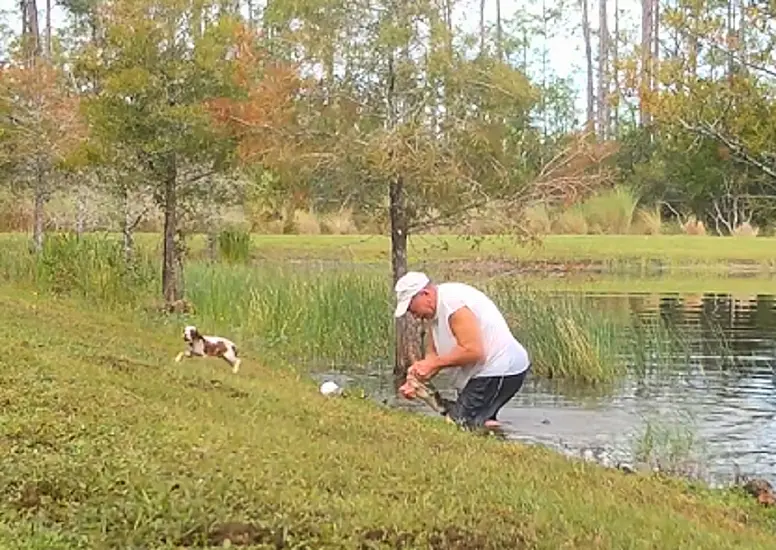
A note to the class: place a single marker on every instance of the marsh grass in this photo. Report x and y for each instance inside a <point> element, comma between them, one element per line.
<point>94,268</point>
<point>108,444</point>
<point>234,245</point>
<point>565,339</point>
<point>656,345</point>
<point>338,316</point>
<point>572,337</point>
<point>610,211</point>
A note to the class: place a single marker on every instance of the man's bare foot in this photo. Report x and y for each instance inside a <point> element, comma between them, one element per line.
<point>492,424</point>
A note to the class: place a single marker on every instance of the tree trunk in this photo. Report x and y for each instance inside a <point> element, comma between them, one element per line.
<point>212,236</point>
<point>80,212</point>
<point>655,44</point>
<point>741,43</point>
<point>730,30</point>
<point>408,337</point>
<point>647,20</point>
<point>543,98</point>
<point>589,63</point>
<point>482,28</point>
<point>127,227</point>
<point>603,72</point>
<point>407,333</point>
<point>38,213</point>
<point>499,33</point>
<point>690,14</point>
<point>171,288</point>
<point>614,115</point>
<point>30,28</point>
<point>48,29</point>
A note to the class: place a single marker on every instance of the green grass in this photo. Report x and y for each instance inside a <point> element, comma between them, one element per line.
<point>673,250</point>
<point>107,444</point>
<point>306,314</point>
<point>676,250</point>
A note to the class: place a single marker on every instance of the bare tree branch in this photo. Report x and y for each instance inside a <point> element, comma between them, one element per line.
<point>737,149</point>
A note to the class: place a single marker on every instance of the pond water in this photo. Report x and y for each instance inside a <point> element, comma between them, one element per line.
<point>715,409</point>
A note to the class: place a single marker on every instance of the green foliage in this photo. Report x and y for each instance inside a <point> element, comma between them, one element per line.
<point>156,73</point>
<point>610,211</point>
<point>451,128</point>
<point>709,153</point>
<point>566,339</point>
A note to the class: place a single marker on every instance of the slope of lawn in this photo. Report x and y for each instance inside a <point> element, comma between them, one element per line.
<point>106,443</point>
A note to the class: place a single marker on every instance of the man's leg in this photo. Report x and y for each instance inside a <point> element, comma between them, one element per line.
<point>508,389</point>
<point>482,398</point>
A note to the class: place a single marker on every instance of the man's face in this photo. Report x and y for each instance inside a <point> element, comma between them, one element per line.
<point>423,304</point>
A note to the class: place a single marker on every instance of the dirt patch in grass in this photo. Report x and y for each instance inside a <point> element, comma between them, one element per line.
<point>232,534</point>
<point>448,538</point>
<point>121,364</point>
<point>215,385</point>
<point>32,495</point>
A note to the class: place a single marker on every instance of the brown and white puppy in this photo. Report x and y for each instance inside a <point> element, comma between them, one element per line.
<point>209,346</point>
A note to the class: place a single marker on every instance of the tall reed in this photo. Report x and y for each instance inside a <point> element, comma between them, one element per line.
<point>672,446</point>
<point>93,267</point>
<point>234,245</point>
<point>312,314</point>
<point>564,338</point>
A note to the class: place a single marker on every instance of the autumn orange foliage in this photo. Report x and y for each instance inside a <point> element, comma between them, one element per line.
<point>44,115</point>
<point>265,118</point>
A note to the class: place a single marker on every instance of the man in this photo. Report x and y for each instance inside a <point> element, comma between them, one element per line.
<point>469,334</point>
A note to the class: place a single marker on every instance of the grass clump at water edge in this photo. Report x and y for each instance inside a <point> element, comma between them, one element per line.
<point>113,445</point>
<point>669,443</point>
<point>234,245</point>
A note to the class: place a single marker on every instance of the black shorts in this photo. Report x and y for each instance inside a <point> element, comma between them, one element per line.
<point>482,398</point>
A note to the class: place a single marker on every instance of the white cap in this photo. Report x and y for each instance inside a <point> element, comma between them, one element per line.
<point>406,287</point>
<point>330,388</point>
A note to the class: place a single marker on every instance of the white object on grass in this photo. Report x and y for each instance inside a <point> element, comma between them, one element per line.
<point>330,388</point>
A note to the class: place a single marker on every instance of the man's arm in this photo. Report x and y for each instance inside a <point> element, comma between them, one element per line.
<point>469,348</point>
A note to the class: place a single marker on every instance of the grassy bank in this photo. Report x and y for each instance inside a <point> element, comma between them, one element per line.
<point>676,251</point>
<point>107,444</point>
<point>672,250</point>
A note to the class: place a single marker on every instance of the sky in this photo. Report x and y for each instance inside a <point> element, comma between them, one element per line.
<point>565,50</point>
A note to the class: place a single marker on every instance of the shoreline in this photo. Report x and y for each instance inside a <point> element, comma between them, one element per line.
<point>298,462</point>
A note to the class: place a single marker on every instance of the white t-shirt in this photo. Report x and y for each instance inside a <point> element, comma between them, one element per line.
<point>504,355</point>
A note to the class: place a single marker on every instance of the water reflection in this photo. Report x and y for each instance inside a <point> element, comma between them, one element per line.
<point>725,385</point>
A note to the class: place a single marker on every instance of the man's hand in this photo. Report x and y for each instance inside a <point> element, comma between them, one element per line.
<point>424,369</point>
<point>407,390</point>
